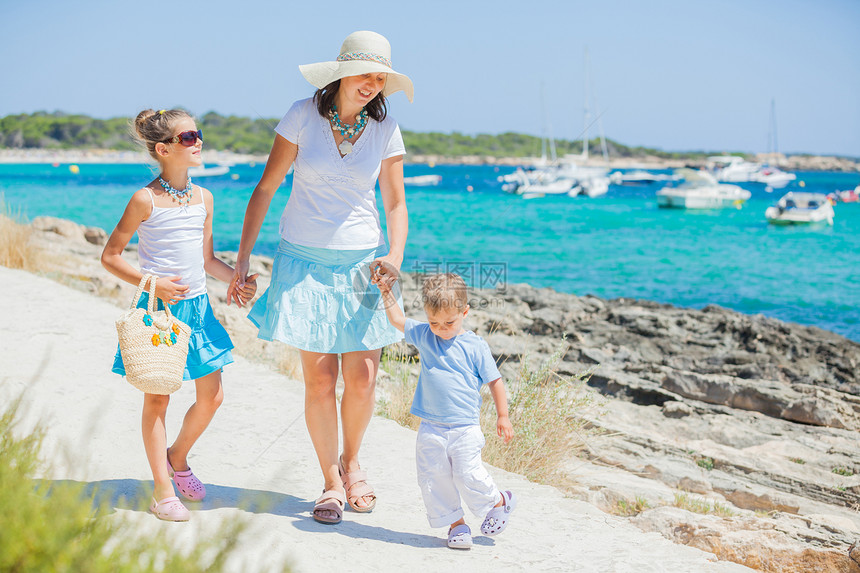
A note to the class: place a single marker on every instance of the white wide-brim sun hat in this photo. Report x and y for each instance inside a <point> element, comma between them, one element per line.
<point>361,53</point>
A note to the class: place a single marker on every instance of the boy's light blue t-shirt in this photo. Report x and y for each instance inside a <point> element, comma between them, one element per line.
<point>452,373</point>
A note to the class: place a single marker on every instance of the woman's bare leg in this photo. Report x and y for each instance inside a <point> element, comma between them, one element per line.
<point>357,404</point>
<point>320,374</point>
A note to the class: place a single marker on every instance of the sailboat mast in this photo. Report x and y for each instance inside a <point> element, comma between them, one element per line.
<point>543,135</point>
<point>773,124</point>
<point>585,112</point>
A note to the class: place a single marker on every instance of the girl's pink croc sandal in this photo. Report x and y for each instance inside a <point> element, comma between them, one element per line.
<point>170,509</point>
<point>189,486</point>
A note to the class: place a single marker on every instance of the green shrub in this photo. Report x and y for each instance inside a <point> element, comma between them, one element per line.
<point>52,527</point>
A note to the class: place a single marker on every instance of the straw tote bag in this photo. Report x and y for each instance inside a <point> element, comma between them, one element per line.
<point>153,344</point>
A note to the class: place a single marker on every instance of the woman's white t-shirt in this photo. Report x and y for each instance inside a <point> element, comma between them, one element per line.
<point>333,201</point>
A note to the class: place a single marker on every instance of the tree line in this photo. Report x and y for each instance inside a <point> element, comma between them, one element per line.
<point>58,130</point>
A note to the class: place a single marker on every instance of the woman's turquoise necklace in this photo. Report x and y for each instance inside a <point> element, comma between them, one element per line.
<point>183,197</point>
<point>346,130</point>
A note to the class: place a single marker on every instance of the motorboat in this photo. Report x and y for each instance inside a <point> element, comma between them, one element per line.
<point>203,171</point>
<point>544,182</point>
<point>592,180</point>
<point>594,186</point>
<point>847,196</point>
<point>801,209</point>
<point>422,180</point>
<point>773,177</point>
<point>539,182</point>
<point>701,191</point>
<point>735,169</point>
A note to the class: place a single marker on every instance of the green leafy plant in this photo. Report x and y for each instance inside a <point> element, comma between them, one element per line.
<point>58,526</point>
<point>631,509</point>
<point>705,463</point>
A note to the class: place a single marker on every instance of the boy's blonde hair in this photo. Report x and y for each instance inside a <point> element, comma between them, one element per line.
<point>444,291</point>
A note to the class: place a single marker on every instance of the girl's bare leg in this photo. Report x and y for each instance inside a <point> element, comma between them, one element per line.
<point>210,395</point>
<point>155,441</point>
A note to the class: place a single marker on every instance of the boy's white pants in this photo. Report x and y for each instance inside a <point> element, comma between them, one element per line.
<point>450,468</point>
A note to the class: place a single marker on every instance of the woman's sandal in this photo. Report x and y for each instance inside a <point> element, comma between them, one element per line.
<point>355,485</point>
<point>332,501</point>
<point>460,537</point>
<point>498,517</point>
<point>170,509</point>
<point>189,486</point>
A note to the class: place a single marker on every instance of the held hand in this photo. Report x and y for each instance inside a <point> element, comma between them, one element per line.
<point>504,429</point>
<point>169,290</point>
<point>237,283</point>
<point>247,291</point>
<point>384,286</point>
<point>384,272</point>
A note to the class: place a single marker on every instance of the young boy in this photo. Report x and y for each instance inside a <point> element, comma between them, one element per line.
<point>455,363</point>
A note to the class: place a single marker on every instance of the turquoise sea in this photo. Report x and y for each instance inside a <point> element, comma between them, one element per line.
<point>619,245</point>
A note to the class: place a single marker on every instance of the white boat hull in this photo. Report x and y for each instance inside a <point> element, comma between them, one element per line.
<point>202,171</point>
<point>801,209</point>
<point>422,180</point>
<point>702,197</point>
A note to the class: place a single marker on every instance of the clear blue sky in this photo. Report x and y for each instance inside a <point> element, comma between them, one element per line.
<point>673,74</point>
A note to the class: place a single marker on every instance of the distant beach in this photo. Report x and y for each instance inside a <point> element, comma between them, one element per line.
<point>108,156</point>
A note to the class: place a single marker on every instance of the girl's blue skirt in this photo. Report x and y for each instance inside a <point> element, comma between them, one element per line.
<point>209,346</point>
<point>322,300</point>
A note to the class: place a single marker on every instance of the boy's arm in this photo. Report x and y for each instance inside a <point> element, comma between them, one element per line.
<point>504,429</point>
<point>392,310</point>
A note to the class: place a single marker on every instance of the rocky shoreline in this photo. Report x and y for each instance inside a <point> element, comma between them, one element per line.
<point>749,415</point>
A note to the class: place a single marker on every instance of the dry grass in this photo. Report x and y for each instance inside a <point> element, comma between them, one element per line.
<point>699,505</point>
<point>289,362</point>
<point>398,387</point>
<point>546,411</point>
<point>17,249</point>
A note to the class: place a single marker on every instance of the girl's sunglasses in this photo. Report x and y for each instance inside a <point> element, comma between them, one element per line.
<point>186,138</point>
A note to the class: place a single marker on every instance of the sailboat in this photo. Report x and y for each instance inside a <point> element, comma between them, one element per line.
<point>771,175</point>
<point>545,178</point>
<point>593,181</point>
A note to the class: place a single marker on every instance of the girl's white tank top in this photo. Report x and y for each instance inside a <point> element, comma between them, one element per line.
<point>170,243</point>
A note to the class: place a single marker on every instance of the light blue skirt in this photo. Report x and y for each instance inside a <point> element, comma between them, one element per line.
<point>209,346</point>
<point>321,300</point>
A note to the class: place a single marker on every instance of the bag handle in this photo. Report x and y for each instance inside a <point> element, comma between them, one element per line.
<point>151,304</point>
<point>143,280</point>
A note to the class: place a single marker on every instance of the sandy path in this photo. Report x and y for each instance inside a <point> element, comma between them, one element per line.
<point>257,462</point>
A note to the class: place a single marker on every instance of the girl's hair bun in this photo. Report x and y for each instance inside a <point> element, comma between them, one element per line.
<point>152,127</point>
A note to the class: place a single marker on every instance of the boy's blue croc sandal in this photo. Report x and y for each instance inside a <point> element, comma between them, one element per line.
<point>460,537</point>
<point>498,517</point>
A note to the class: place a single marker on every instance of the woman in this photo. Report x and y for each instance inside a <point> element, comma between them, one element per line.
<point>340,142</point>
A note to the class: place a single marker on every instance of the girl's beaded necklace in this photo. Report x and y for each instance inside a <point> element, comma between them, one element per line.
<point>346,130</point>
<point>182,196</point>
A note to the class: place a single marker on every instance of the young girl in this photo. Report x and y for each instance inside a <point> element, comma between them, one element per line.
<point>173,220</point>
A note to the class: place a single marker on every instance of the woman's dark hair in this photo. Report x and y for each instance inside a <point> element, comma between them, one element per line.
<point>324,98</point>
